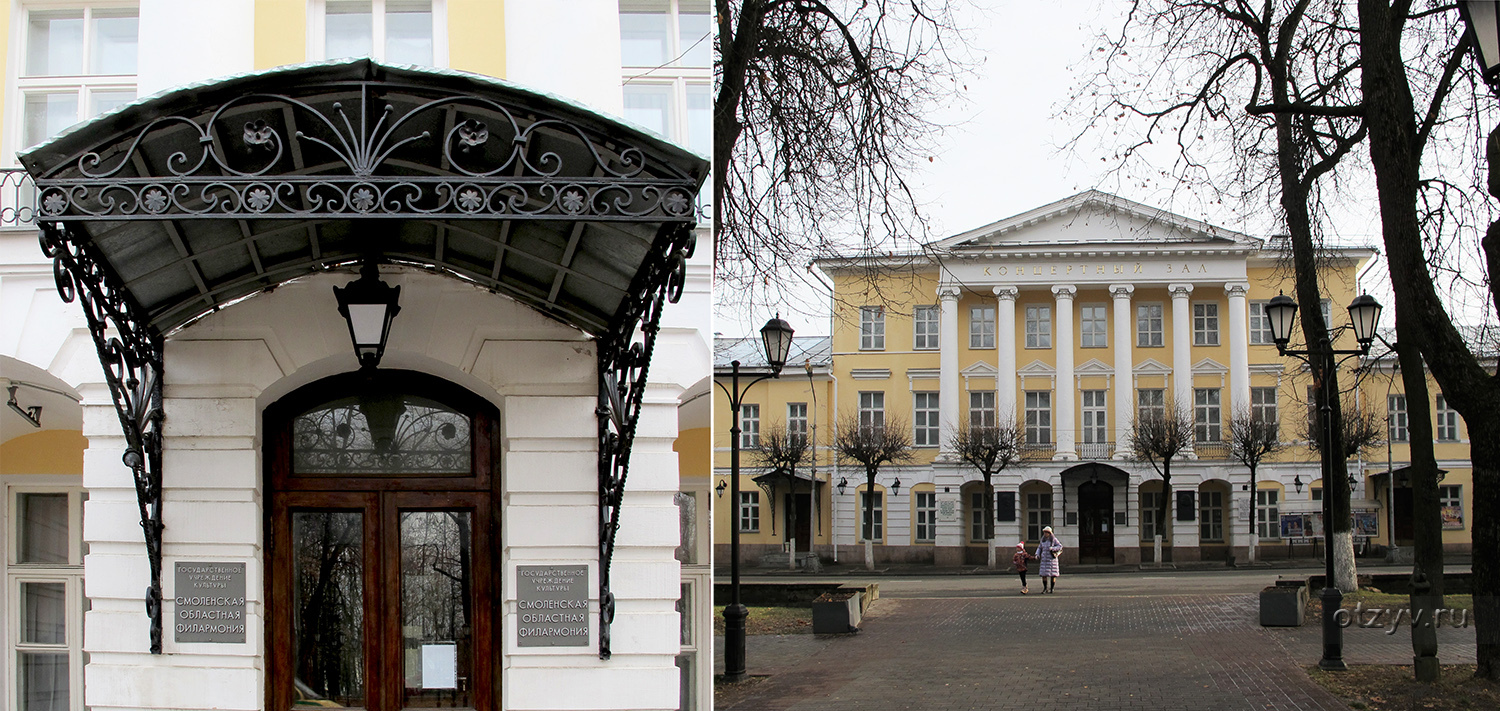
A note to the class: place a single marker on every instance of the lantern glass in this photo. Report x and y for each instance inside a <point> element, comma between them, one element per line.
<point>368,305</point>
<point>1282,312</point>
<point>1483,18</point>
<point>366,323</point>
<point>1364,313</point>
<point>776,336</point>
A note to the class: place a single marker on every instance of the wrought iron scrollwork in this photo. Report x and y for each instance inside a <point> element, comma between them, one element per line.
<point>624,363</point>
<point>131,354</point>
<point>501,167</point>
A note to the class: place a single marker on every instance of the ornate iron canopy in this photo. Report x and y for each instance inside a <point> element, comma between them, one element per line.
<point>177,205</point>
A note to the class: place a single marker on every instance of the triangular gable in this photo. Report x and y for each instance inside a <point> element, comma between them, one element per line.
<point>1094,217</point>
<point>1151,366</point>
<point>980,369</point>
<point>1210,366</point>
<point>1037,367</point>
<point>1094,366</point>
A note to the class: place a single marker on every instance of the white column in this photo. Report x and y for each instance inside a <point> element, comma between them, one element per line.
<point>1124,366</point>
<point>1239,349</point>
<point>1005,353</point>
<point>948,395</point>
<point>1066,423</point>
<point>1182,347</point>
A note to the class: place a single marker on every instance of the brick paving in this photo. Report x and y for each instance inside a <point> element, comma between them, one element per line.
<point>1156,652</point>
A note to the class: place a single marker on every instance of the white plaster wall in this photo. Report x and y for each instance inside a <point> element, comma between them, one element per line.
<point>575,63</point>
<point>215,35</point>
<point>221,374</point>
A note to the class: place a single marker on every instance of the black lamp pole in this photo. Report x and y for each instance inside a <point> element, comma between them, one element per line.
<point>776,336</point>
<point>1364,313</point>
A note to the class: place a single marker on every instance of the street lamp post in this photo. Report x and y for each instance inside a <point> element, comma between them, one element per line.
<point>1364,313</point>
<point>776,337</point>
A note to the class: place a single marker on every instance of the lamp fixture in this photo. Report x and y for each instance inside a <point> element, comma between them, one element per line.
<point>1483,19</point>
<point>368,305</point>
<point>1297,482</point>
<point>896,487</point>
<point>776,335</point>
<point>33,414</point>
<point>721,487</point>
<point>843,483</point>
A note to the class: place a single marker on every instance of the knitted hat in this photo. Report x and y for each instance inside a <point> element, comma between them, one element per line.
<point>1021,545</point>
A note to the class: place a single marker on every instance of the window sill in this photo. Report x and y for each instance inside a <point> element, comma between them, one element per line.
<point>1038,348</point>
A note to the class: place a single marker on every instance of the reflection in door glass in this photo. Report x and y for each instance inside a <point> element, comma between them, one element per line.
<point>328,589</point>
<point>436,627</point>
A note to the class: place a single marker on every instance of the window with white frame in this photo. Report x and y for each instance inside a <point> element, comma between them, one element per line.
<point>924,326</point>
<point>749,511</point>
<point>1093,330</point>
<point>1150,501</point>
<point>981,327</point>
<point>871,328</point>
<point>1447,421</point>
<point>925,431</point>
<point>1260,324</point>
<point>796,420</point>
<point>1038,326</point>
<point>1038,514</point>
<point>390,31</point>
<point>981,516</point>
<point>926,516</point>
<point>1207,415</point>
<point>666,54</point>
<point>872,409</point>
<point>872,516</point>
<point>78,63</point>
<point>1038,417</point>
<point>44,598</point>
<point>749,426</point>
<point>1396,417</point>
<point>1263,406</point>
<point>1451,506</point>
<point>982,408</point>
<point>1095,430</point>
<point>1148,328</point>
<point>1205,324</point>
<point>1268,514</point>
<point>1150,404</point>
<point>1211,516</point>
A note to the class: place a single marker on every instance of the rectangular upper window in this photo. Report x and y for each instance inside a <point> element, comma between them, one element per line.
<point>925,431</point>
<point>1092,329</point>
<point>78,63</point>
<point>796,419</point>
<point>1396,417</point>
<point>924,324</point>
<point>1150,404</point>
<point>982,408</point>
<point>871,328</point>
<point>749,511</point>
<point>1148,333</point>
<point>1263,405</point>
<point>1038,326</point>
<point>872,409</point>
<point>1205,324</point>
<point>1260,324</point>
<point>981,327</point>
<point>1038,417</point>
<point>1207,415</point>
<point>666,33</point>
<point>44,597</point>
<point>390,31</point>
<point>925,504</point>
<point>666,56</point>
<point>1447,421</point>
<point>749,426</point>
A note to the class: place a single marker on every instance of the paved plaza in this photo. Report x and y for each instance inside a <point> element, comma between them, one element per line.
<point>1150,641</point>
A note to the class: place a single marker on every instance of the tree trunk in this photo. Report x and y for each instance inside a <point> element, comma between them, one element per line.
<point>1427,524</point>
<point>1254,533</point>
<point>1164,510</point>
<point>989,518</point>
<point>869,555</point>
<point>1344,574</point>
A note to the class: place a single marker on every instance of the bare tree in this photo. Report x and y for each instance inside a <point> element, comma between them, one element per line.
<point>780,452</point>
<point>872,445</point>
<point>1252,440</point>
<point>823,107</point>
<point>1156,437</point>
<point>990,449</point>
<point>1363,430</point>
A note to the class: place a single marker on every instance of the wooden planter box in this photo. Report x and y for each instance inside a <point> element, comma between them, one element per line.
<point>1283,606</point>
<point>837,612</point>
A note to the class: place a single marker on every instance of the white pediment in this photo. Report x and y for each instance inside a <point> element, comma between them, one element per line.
<point>1094,366</point>
<point>1037,367</point>
<point>1209,366</point>
<point>1151,366</point>
<point>980,369</point>
<point>1096,218</point>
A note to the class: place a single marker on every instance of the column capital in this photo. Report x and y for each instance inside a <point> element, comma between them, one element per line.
<point>1237,289</point>
<point>1180,291</point>
<point>1064,291</point>
<point>1121,291</point>
<point>1006,293</point>
<point>948,292</point>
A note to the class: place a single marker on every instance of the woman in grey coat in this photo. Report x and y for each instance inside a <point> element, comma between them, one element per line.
<point>1047,552</point>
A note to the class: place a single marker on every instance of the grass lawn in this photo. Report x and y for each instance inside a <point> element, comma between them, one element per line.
<point>770,620</point>
<point>1387,688</point>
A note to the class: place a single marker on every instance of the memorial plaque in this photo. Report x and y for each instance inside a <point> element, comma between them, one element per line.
<point>553,604</point>
<point>210,602</point>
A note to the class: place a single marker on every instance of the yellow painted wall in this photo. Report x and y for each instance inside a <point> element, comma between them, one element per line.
<point>4,52</point>
<point>280,32</point>
<point>692,447</point>
<point>476,36</point>
<point>45,452</point>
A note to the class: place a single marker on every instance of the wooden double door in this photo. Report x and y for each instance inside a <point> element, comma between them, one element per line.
<point>382,539</point>
<point>1096,538</point>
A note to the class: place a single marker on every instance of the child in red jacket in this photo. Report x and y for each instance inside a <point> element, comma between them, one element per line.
<point>1019,561</point>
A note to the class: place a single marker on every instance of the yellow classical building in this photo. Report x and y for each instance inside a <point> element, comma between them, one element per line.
<point>1068,320</point>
